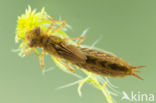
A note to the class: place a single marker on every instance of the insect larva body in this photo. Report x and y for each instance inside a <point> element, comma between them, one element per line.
<point>91,60</point>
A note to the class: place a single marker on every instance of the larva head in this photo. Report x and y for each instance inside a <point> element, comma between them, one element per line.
<point>33,37</point>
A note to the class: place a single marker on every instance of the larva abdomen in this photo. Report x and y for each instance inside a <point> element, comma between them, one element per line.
<point>106,64</point>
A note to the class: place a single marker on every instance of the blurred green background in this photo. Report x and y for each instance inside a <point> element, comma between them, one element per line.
<point>127,28</point>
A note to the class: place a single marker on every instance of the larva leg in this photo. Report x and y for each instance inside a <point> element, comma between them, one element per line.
<point>67,65</point>
<point>29,51</point>
<point>41,59</point>
<point>51,26</point>
<point>53,23</point>
<point>59,27</point>
<point>70,67</point>
<point>81,39</point>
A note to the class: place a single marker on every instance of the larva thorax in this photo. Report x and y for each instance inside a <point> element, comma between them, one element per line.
<point>54,45</point>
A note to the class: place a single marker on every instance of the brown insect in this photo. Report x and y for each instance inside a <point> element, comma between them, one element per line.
<point>95,61</point>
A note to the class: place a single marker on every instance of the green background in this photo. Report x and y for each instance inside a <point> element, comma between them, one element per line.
<point>127,28</point>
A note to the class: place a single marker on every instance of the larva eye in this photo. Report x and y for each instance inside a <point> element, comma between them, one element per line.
<point>37,31</point>
<point>33,41</point>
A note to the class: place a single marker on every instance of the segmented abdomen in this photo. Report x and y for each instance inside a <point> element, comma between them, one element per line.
<point>105,64</point>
